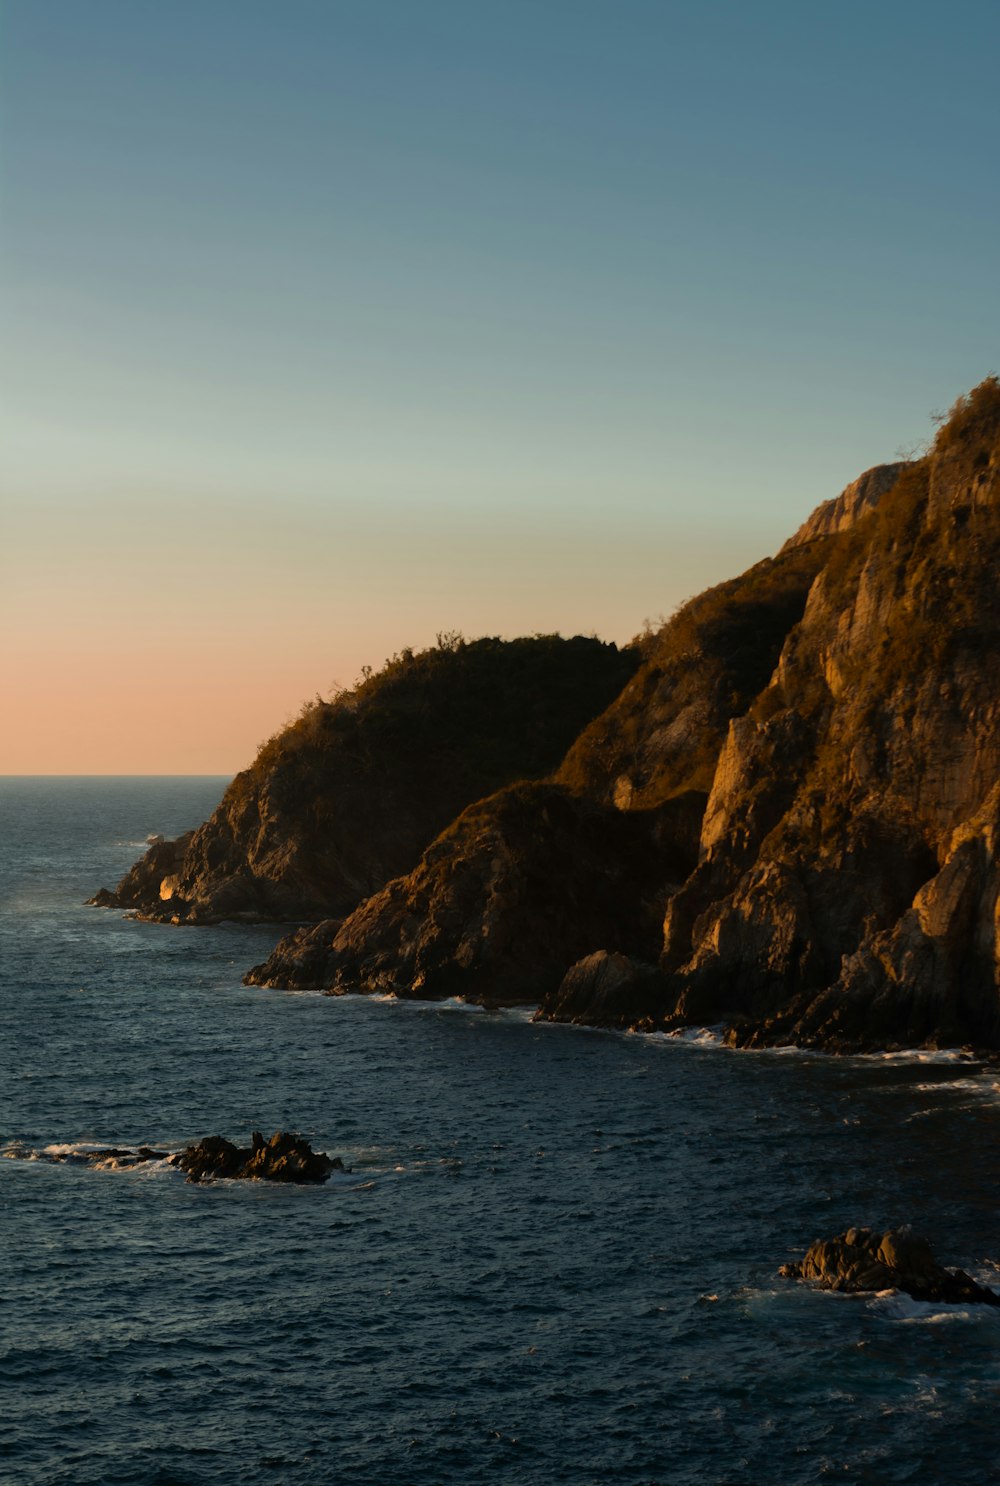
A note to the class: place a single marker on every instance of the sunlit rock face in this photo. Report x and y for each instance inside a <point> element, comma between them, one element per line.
<point>861,1261</point>
<point>846,509</point>
<point>846,895</point>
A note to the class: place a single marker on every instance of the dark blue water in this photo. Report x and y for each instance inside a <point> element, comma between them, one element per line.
<point>554,1262</point>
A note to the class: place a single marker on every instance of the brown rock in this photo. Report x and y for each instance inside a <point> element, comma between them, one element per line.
<point>284,1158</point>
<point>861,1261</point>
<point>605,990</point>
<point>521,886</point>
<point>857,500</point>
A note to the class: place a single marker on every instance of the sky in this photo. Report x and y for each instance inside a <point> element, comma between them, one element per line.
<point>332,325</point>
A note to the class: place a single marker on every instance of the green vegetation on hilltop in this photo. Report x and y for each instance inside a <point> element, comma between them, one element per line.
<point>466,715</point>
<point>349,794</point>
<point>976,413</point>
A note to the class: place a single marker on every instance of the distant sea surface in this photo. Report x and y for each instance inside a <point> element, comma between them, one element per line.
<point>555,1259</point>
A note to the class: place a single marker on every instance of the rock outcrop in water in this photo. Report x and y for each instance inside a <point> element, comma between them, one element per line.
<point>284,1158</point>
<point>862,1261</point>
<point>348,796</point>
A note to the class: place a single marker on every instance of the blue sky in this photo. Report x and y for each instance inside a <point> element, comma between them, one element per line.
<point>332,325</point>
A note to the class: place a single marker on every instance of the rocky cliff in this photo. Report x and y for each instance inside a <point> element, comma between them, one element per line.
<point>846,509</point>
<point>804,773</point>
<point>522,884</point>
<point>347,797</point>
<point>846,895</point>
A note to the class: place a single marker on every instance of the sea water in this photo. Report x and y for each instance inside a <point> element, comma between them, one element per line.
<point>554,1258</point>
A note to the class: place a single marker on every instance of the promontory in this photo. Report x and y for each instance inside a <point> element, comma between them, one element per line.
<point>779,813</point>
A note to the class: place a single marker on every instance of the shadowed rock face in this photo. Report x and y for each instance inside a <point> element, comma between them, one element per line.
<point>861,1261</point>
<point>283,1158</point>
<point>606,990</point>
<point>662,736</point>
<point>349,795</point>
<point>523,884</point>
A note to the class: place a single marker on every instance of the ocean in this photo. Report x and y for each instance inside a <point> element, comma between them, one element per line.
<point>554,1259</point>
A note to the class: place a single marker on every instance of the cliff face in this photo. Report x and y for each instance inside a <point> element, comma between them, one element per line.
<point>804,772</point>
<point>858,908</point>
<point>348,796</point>
<point>847,509</point>
<point>524,884</point>
<point>663,734</point>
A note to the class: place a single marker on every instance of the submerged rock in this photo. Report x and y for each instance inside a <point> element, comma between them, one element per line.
<point>286,1157</point>
<point>862,1261</point>
<point>112,1158</point>
<point>107,1158</point>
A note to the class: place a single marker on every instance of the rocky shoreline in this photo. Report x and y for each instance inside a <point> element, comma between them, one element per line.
<point>785,820</point>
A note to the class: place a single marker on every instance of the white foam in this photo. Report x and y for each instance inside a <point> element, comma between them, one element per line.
<point>74,1147</point>
<point>918,1055</point>
<point>714,1038</point>
<point>447,1003</point>
<point>700,1036</point>
<point>986,1086</point>
<point>896,1306</point>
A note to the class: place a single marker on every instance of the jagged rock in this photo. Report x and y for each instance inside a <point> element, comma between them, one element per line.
<point>141,884</point>
<point>521,886</point>
<point>606,990</point>
<point>857,500</point>
<point>862,1260</point>
<point>348,796</point>
<point>284,1158</point>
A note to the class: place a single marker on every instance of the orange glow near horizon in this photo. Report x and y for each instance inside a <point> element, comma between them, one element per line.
<point>130,660</point>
